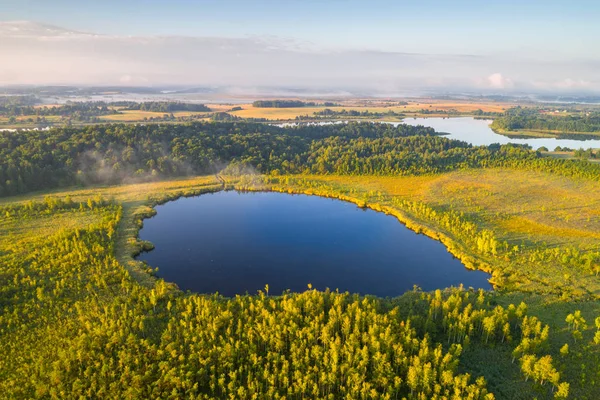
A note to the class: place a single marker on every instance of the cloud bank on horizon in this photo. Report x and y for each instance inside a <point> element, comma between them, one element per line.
<point>42,54</point>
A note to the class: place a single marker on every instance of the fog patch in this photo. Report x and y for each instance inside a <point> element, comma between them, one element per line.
<point>120,164</point>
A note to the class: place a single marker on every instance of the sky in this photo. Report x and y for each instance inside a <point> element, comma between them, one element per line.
<point>384,45</point>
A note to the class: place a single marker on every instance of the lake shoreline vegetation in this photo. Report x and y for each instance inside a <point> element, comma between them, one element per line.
<point>81,317</point>
<point>534,122</point>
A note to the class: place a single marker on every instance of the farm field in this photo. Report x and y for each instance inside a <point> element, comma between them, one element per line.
<point>138,116</point>
<point>413,108</point>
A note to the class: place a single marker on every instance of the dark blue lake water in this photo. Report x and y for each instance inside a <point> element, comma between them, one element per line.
<point>233,243</point>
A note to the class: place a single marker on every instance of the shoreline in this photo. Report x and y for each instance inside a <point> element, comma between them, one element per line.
<point>133,246</point>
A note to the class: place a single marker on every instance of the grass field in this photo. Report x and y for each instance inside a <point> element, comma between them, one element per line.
<point>136,115</point>
<point>530,204</point>
<point>24,118</point>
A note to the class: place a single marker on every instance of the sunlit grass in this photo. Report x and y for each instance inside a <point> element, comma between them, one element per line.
<point>534,203</point>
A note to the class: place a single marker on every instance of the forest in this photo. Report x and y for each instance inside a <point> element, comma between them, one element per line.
<point>59,157</point>
<point>33,160</point>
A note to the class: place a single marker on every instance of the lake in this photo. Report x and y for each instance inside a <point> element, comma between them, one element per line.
<point>232,243</point>
<point>477,132</point>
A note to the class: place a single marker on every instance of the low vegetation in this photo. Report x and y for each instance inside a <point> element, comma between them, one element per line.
<point>529,121</point>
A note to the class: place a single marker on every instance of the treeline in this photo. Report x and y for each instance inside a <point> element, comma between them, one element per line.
<point>162,106</point>
<point>480,113</point>
<point>34,160</point>
<point>223,116</point>
<point>71,109</point>
<point>289,104</point>
<point>356,113</point>
<point>519,118</point>
<point>17,101</point>
<point>93,108</point>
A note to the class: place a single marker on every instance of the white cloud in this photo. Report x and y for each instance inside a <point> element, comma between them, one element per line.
<point>42,54</point>
<point>497,81</point>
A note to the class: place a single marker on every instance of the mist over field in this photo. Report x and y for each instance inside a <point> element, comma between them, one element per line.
<point>35,53</point>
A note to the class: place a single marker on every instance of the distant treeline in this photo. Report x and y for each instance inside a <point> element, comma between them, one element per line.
<point>92,108</point>
<point>35,160</point>
<point>289,104</point>
<point>222,116</point>
<point>519,118</point>
<point>477,113</point>
<point>9,101</point>
<point>162,106</point>
<point>355,113</point>
<point>80,111</point>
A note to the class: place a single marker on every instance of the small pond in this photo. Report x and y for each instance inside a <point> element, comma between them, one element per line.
<point>232,243</point>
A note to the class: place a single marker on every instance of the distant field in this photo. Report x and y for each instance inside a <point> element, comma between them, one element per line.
<point>137,115</point>
<point>412,108</point>
<point>133,115</point>
<point>277,113</point>
<point>24,118</point>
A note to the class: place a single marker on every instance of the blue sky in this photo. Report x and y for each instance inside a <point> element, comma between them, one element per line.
<point>514,39</point>
<point>551,28</point>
